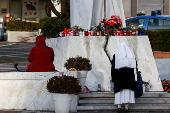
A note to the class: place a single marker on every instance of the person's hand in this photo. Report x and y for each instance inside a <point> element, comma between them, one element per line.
<point>112,82</point>
<point>5,27</point>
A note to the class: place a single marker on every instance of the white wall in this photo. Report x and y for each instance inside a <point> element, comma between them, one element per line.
<point>127,7</point>
<point>149,5</point>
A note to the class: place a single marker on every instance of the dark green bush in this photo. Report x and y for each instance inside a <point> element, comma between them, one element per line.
<point>164,40</point>
<point>43,20</point>
<point>159,39</point>
<point>18,25</point>
<point>54,26</point>
<point>63,84</point>
<point>153,37</point>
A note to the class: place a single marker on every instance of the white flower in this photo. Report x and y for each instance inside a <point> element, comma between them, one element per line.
<point>140,26</point>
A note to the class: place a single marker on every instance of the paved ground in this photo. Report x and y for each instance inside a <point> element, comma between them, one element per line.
<point>25,111</point>
<point>11,53</point>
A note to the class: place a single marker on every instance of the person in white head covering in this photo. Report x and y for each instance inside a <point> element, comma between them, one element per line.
<point>123,76</point>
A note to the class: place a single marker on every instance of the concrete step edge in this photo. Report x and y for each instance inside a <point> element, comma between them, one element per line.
<point>135,107</point>
<point>111,95</point>
<point>111,100</point>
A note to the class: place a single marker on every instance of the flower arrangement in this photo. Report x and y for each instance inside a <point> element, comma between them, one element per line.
<point>132,26</point>
<point>140,28</point>
<point>111,24</point>
<point>63,84</point>
<point>166,85</point>
<point>146,83</point>
<point>78,63</point>
<point>76,28</point>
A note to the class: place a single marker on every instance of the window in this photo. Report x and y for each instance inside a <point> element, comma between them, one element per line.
<point>155,23</point>
<point>135,21</point>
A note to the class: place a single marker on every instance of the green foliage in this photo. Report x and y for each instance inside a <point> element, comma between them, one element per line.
<point>164,40</point>
<point>159,39</point>
<point>146,83</point>
<point>141,29</point>
<point>63,84</point>
<point>43,20</point>
<point>55,25</point>
<point>78,63</point>
<point>153,37</point>
<point>18,25</point>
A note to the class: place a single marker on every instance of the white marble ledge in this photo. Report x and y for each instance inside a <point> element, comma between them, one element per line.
<point>35,75</point>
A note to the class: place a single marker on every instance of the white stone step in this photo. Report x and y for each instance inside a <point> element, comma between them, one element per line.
<point>111,100</point>
<point>132,107</point>
<point>111,95</point>
<point>96,101</point>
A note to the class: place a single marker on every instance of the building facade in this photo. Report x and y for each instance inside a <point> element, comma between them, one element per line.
<point>132,7</point>
<point>29,10</point>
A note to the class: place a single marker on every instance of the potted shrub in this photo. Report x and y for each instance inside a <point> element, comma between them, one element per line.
<point>62,89</point>
<point>79,64</point>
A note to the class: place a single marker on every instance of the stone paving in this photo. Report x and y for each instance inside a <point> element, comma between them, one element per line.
<point>12,53</point>
<point>25,111</point>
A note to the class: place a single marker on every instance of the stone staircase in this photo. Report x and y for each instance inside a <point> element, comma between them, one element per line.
<point>104,101</point>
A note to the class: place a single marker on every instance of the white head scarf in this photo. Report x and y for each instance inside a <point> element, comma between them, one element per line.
<point>124,57</point>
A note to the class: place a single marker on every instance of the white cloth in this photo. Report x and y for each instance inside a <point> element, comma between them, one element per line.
<point>124,96</point>
<point>124,57</point>
<point>87,13</point>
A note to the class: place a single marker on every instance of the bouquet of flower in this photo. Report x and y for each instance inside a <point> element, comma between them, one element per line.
<point>111,24</point>
<point>166,85</point>
<point>132,26</point>
<point>146,83</point>
<point>140,28</point>
<point>76,28</point>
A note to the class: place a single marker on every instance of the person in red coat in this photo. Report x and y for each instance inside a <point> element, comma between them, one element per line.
<point>41,57</point>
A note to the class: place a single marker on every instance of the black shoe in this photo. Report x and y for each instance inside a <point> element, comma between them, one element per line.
<point>119,110</point>
<point>126,110</point>
<point>2,38</point>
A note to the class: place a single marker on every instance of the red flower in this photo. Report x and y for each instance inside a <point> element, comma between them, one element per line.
<point>68,30</point>
<point>65,30</point>
<point>109,31</point>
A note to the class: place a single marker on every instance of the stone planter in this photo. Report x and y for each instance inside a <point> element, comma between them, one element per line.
<point>160,54</point>
<point>62,102</point>
<point>143,88</point>
<point>18,36</point>
<point>83,79</point>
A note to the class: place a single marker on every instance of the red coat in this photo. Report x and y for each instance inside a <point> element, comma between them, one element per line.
<point>40,58</point>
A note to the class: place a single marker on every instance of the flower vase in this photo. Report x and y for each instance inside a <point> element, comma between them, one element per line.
<point>83,79</point>
<point>147,87</point>
<point>141,33</point>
